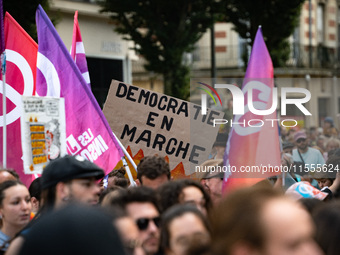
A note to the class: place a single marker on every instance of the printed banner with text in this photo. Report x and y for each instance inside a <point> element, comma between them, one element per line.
<point>43,132</point>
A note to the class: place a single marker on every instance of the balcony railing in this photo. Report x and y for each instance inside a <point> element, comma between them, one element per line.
<point>231,57</point>
<point>321,57</point>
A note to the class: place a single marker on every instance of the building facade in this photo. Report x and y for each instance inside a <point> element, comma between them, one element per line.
<point>313,63</point>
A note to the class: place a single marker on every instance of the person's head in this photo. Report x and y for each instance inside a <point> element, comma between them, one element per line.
<point>192,192</point>
<point>261,221</point>
<point>184,191</point>
<point>71,230</point>
<point>181,224</point>
<point>35,193</point>
<point>287,147</point>
<point>300,139</point>
<point>127,229</point>
<point>310,204</point>
<point>324,182</point>
<point>117,178</point>
<point>332,144</point>
<point>68,179</point>
<point>107,193</point>
<point>153,171</point>
<point>328,122</point>
<point>327,221</point>
<point>313,133</point>
<point>15,206</point>
<point>320,142</point>
<point>141,205</point>
<point>8,174</point>
<point>213,179</point>
<point>287,159</point>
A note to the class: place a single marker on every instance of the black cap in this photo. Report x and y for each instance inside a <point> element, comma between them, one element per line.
<point>69,168</point>
<point>286,145</point>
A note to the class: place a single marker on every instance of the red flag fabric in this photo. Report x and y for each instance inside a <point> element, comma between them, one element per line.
<point>78,50</point>
<point>21,53</point>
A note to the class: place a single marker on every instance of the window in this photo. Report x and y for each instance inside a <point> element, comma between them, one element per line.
<point>102,72</point>
<point>320,22</point>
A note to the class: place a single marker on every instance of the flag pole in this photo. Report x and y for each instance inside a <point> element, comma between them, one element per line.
<point>126,153</point>
<point>125,164</point>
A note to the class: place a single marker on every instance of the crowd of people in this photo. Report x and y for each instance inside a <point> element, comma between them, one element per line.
<point>70,210</point>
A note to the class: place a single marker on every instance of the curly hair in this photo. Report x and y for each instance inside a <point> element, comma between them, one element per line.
<point>153,167</point>
<point>170,193</point>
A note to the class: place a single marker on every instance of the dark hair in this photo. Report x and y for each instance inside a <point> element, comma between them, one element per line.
<point>118,176</point>
<point>48,197</point>
<point>173,213</point>
<point>81,229</point>
<point>327,221</point>
<point>120,182</point>
<point>153,167</point>
<point>169,193</point>
<point>237,218</point>
<point>35,189</point>
<point>333,163</point>
<point>119,179</point>
<point>5,185</point>
<point>107,191</point>
<point>118,172</point>
<point>140,194</point>
<point>12,172</point>
<point>310,204</point>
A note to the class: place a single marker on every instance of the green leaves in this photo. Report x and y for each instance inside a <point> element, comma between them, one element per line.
<point>164,31</point>
<point>277,17</point>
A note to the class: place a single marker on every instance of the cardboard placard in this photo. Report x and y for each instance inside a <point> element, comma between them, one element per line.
<point>160,124</point>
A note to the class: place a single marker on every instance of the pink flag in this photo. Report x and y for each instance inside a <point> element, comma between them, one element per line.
<point>21,51</point>
<point>254,152</point>
<point>78,51</point>
<point>87,132</point>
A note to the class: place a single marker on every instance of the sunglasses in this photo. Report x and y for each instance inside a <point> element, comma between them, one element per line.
<point>143,223</point>
<point>300,140</point>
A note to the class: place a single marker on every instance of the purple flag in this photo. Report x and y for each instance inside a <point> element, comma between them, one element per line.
<point>87,131</point>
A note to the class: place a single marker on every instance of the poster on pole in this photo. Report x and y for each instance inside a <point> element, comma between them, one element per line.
<point>159,124</point>
<point>43,131</point>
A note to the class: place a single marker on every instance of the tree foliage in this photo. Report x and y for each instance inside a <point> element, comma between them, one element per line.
<point>163,31</point>
<point>277,17</point>
<point>23,11</point>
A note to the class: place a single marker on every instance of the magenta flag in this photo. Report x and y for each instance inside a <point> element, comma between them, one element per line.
<point>21,51</point>
<point>87,131</point>
<point>253,148</point>
<point>78,50</point>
